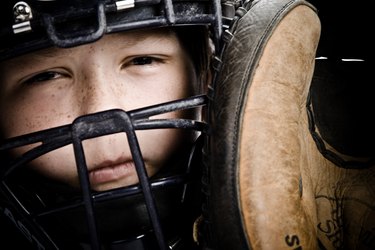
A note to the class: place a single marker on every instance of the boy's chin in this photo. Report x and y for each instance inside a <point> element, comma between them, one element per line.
<point>113,185</point>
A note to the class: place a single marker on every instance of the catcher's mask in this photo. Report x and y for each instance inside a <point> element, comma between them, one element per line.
<point>145,215</point>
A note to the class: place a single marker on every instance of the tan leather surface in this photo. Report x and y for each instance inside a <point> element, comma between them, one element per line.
<point>345,202</point>
<point>276,149</point>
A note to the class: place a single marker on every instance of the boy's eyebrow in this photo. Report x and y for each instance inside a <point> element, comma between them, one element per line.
<point>49,52</point>
<point>36,55</point>
<point>44,54</point>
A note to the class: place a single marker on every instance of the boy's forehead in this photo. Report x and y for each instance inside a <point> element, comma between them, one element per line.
<point>121,40</point>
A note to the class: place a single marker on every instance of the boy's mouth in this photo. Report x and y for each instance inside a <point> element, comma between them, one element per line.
<point>111,171</point>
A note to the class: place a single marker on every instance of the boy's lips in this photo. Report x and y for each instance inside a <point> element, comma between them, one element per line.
<point>110,171</point>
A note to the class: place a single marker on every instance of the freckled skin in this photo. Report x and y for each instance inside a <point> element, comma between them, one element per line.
<point>92,78</point>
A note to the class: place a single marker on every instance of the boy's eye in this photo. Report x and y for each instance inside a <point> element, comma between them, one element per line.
<point>143,60</point>
<point>44,76</point>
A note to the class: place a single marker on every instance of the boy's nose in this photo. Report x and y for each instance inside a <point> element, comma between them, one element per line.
<point>100,91</point>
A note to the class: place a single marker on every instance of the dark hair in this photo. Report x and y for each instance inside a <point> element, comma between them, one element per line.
<point>196,41</point>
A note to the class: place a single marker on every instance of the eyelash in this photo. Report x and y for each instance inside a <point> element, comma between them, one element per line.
<point>143,61</point>
<point>42,77</point>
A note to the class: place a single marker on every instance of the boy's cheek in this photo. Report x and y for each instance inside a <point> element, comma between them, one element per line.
<point>19,123</point>
<point>25,118</point>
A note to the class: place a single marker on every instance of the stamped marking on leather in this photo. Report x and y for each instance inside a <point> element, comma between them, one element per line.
<point>293,242</point>
<point>330,222</point>
<point>343,222</point>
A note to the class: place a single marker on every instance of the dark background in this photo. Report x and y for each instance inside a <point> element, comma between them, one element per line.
<point>342,89</point>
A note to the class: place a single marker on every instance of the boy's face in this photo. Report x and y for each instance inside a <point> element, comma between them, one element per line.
<point>129,70</point>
